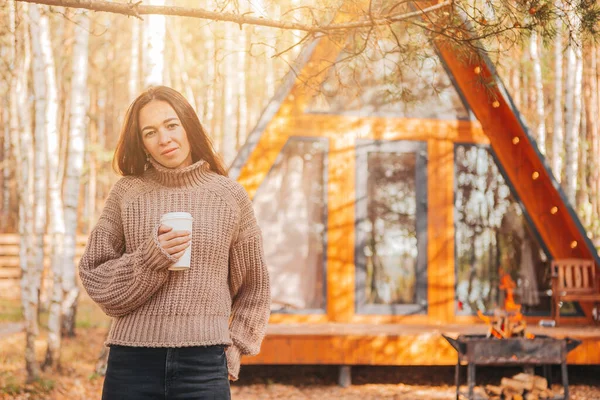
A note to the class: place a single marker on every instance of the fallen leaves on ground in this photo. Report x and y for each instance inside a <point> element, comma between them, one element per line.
<point>76,380</point>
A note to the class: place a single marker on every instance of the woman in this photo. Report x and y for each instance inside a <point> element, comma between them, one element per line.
<point>175,334</point>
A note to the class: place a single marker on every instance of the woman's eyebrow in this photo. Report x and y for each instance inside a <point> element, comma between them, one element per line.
<point>164,122</point>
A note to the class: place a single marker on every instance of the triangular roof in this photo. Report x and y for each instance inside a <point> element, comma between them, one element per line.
<point>516,150</point>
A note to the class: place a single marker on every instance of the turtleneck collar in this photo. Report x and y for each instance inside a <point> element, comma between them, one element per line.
<point>187,177</point>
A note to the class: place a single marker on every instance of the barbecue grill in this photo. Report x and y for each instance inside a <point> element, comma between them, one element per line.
<point>474,350</point>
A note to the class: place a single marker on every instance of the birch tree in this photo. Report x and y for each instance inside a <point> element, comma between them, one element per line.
<point>74,172</point>
<point>228,120</point>
<point>134,66</point>
<point>40,100</point>
<point>592,174</point>
<point>572,114</point>
<point>56,227</point>
<point>539,92</point>
<point>557,108</point>
<point>23,150</point>
<point>154,47</point>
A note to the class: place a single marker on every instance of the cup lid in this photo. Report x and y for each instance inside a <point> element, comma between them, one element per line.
<point>176,215</point>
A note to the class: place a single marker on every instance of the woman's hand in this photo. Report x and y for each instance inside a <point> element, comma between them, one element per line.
<point>173,242</point>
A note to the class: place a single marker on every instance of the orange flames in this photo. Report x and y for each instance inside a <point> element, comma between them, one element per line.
<point>507,322</point>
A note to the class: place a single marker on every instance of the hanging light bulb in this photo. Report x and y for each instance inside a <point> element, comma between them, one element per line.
<point>574,244</point>
<point>516,140</point>
<point>535,175</point>
<point>477,70</point>
<point>496,104</point>
<point>553,210</point>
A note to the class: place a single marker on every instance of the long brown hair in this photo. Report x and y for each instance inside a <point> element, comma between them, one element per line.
<point>130,158</point>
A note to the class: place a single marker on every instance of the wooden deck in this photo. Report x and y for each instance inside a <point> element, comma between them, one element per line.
<point>392,344</point>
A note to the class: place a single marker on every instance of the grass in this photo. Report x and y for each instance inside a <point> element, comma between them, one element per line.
<point>10,310</point>
<point>89,314</point>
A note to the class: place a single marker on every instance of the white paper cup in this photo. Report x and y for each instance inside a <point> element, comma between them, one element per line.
<point>180,221</point>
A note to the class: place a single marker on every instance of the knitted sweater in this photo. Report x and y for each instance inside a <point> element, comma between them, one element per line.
<point>224,298</point>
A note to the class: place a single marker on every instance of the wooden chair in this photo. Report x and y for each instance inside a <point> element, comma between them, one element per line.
<point>574,279</point>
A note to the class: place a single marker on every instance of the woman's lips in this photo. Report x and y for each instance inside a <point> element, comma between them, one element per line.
<point>168,152</point>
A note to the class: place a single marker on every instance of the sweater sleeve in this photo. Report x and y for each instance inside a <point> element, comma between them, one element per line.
<point>249,286</point>
<point>121,282</point>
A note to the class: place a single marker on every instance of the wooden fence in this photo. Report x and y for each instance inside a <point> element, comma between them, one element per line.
<point>9,254</point>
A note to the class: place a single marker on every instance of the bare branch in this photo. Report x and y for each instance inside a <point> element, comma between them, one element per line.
<point>137,10</point>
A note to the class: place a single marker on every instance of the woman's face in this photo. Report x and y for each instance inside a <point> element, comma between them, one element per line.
<point>163,135</point>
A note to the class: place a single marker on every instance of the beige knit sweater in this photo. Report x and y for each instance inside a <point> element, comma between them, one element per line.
<point>224,298</point>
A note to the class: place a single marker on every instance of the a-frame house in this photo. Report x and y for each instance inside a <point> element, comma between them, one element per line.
<point>387,220</point>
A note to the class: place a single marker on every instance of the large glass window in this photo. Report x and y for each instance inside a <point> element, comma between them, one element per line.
<point>494,236</point>
<point>291,208</point>
<point>391,245</point>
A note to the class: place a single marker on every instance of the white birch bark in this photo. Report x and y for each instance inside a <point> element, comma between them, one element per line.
<point>208,96</point>
<point>228,100</point>
<point>573,113</point>
<point>77,123</point>
<point>557,109</point>
<point>179,51</point>
<point>39,91</point>
<point>134,66</point>
<point>92,162</point>
<point>539,92</point>
<point>573,130</point>
<point>22,140</point>
<point>56,226</point>
<point>154,47</point>
<point>242,100</point>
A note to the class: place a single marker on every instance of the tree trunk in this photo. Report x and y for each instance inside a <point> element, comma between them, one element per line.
<point>573,114</point>
<point>75,156</point>
<point>56,228</point>
<point>39,90</point>
<point>208,77</point>
<point>539,92</point>
<point>22,141</point>
<point>154,47</point>
<point>92,161</point>
<point>557,110</point>
<point>134,66</point>
<point>242,100</point>
<point>5,161</point>
<point>228,100</point>
<point>181,64</point>
<point>592,110</point>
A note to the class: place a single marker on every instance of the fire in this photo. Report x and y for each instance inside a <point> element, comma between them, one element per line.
<point>507,322</point>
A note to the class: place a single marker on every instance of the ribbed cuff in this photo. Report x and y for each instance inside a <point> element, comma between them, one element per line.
<point>234,357</point>
<point>154,256</point>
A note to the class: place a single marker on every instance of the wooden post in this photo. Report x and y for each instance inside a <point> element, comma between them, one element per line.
<point>345,377</point>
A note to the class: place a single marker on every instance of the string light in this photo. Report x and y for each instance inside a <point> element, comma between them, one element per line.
<point>535,175</point>
<point>574,244</point>
<point>516,140</point>
<point>553,210</point>
<point>477,70</point>
<point>496,104</point>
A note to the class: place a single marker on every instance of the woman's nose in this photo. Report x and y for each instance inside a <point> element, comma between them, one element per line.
<point>164,137</point>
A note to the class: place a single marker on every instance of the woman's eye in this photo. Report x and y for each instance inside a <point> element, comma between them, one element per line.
<point>172,126</point>
<point>148,133</point>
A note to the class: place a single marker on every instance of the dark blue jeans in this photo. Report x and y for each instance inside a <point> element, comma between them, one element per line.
<point>166,373</point>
